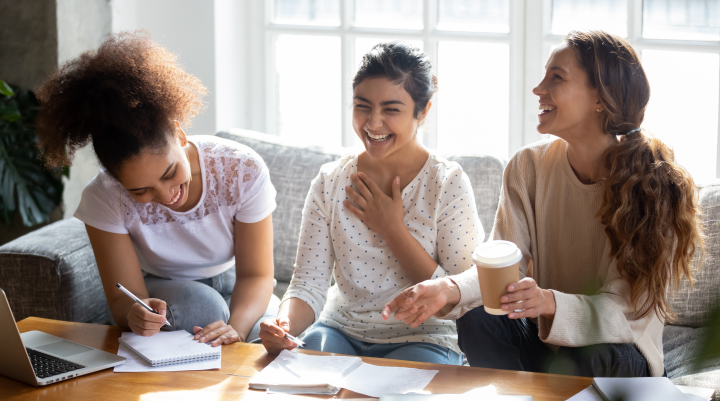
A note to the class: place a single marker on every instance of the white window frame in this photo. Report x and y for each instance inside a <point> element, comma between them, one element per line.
<point>530,40</point>
<point>539,41</point>
<point>430,35</point>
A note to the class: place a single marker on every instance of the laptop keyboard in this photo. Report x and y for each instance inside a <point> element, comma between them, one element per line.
<point>46,365</point>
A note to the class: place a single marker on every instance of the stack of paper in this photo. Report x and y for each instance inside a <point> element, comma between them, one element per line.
<point>640,389</point>
<point>297,373</point>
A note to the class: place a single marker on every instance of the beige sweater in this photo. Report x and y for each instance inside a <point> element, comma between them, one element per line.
<point>551,216</point>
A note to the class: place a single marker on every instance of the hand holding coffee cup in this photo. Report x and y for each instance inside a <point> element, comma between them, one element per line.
<point>498,264</point>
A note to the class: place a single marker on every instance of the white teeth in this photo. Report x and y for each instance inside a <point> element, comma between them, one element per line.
<point>174,199</point>
<point>547,107</point>
<point>378,137</point>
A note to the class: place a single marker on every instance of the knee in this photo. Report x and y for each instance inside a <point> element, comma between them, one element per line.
<point>477,322</point>
<point>192,304</point>
<point>601,360</point>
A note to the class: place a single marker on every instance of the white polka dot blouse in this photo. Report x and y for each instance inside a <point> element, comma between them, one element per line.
<point>439,212</point>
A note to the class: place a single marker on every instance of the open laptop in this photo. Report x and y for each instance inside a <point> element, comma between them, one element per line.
<point>39,358</point>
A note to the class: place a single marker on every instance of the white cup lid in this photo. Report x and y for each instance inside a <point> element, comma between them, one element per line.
<point>497,254</point>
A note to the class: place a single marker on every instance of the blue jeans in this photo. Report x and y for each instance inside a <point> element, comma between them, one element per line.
<point>323,338</point>
<point>499,342</point>
<point>200,302</point>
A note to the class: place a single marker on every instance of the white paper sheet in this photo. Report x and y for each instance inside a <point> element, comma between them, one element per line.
<point>378,380</point>
<point>589,394</point>
<point>136,364</point>
<point>692,394</point>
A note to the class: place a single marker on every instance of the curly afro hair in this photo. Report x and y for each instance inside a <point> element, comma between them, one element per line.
<point>124,97</point>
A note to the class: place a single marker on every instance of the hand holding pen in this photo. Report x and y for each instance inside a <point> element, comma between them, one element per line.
<point>140,321</point>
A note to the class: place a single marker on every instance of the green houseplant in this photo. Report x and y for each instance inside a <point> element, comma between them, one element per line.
<point>25,184</point>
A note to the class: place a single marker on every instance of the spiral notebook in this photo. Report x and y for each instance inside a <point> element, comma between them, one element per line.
<point>169,347</point>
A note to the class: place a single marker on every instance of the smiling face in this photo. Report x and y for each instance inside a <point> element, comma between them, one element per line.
<point>568,103</point>
<point>383,116</point>
<point>163,178</point>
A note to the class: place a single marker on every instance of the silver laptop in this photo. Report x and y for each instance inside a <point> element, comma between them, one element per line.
<point>39,358</point>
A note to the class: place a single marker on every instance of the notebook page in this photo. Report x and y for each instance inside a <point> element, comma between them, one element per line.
<point>136,364</point>
<point>379,380</point>
<point>169,346</point>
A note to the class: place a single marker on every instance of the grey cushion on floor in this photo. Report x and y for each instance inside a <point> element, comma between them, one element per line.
<point>52,273</point>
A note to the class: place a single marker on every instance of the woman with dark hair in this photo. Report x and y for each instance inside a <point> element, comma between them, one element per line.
<point>378,222</point>
<point>168,213</point>
<point>605,218</point>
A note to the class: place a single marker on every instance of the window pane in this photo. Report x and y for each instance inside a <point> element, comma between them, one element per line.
<point>681,19</point>
<point>474,15</point>
<point>608,15</point>
<point>393,14</point>
<point>473,100</point>
<point>683,108</point>
<point>307,12</point>
<point>308,88</point>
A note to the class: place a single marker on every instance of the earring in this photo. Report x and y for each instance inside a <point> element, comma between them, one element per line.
<point>598,110</point>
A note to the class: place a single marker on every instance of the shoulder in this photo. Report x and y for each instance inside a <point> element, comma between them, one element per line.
<point>340,167</point>
<point>228,151</point>
<point>443,171</point>
<point>532,158</point>
<point>101,186</point>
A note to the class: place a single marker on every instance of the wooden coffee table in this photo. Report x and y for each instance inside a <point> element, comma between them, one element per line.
<point>240,362</point>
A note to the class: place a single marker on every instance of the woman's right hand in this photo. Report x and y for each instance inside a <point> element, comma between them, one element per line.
<point>143,322</point>
<point>272,334</point>
<point>418,303</point>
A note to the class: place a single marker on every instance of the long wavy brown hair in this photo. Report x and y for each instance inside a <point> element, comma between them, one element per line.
<point>650,204</point>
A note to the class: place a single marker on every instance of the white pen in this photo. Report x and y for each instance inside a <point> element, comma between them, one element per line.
<point>299,343</point>
<point>136,299</point>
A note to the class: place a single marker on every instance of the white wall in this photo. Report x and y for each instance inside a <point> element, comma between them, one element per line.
<point>82,25</point>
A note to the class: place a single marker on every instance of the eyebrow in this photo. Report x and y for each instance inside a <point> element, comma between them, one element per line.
<point>385,103</point>
<point>556,68</point>
<point>163,176</point>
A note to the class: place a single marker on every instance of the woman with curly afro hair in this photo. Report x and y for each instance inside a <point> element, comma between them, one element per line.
<point>168,213</point>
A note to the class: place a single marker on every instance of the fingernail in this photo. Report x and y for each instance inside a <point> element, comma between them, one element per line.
<point>196,336</point>
<point>512,288</point>
<point>504,307</point>
<point>504,299</point>
<point>511,316</point>
<point>202,339</point>
<point>409,300</point>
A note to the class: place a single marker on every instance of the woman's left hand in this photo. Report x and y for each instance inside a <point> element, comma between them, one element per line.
<point>218,333</point>
<point>529,299</point>
<point>380,212</point>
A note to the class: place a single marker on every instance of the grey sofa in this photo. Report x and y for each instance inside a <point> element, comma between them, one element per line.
<point>51,272</point>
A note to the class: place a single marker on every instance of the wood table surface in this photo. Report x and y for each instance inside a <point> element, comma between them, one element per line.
<point>240,362</point>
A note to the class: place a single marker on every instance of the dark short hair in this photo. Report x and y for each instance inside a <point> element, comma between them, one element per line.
<point>405,65</point>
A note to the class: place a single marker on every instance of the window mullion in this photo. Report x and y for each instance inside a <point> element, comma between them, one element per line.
<point>516,124</point>
<point>431,47</point>
<point>347,48</point>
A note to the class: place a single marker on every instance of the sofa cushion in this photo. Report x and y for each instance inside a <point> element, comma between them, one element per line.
<point>292,168</point>
<point>692,305</point>
<point>52,273</point>
<point>681,346</point>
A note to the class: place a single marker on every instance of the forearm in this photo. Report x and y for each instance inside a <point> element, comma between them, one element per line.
<point>299,313</point>
<point>412,257</point>
<point>249,301</point>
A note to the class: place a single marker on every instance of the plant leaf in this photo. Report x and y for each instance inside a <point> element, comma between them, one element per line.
<point>5,89</point>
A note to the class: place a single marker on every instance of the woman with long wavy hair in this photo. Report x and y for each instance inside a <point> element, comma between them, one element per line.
<point>606,220</point>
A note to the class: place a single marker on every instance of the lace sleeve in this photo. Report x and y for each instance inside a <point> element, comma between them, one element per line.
<point>254,189</point>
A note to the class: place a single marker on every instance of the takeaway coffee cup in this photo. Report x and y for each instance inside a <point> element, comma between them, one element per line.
<point>498,266</point>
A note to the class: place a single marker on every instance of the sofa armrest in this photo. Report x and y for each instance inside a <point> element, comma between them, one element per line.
<point>51,273</point>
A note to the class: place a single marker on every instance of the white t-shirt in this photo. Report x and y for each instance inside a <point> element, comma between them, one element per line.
<point>440,213</point>
<point>200,242</point>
